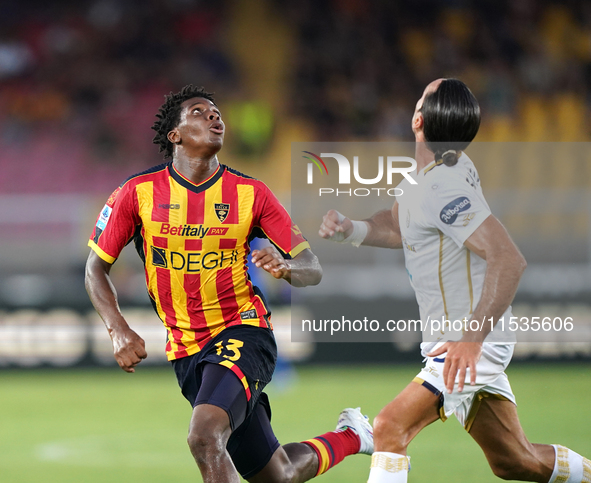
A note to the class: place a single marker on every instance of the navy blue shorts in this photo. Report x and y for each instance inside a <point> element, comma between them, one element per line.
<point>231,372</point>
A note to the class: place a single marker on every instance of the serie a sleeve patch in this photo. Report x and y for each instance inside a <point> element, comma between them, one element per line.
<point>103,218</point>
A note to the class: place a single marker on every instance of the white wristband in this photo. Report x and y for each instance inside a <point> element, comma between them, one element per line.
<point>358,234</point>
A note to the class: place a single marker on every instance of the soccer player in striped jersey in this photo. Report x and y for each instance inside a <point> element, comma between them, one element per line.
<point>191,220</point>
<point>462,264</point>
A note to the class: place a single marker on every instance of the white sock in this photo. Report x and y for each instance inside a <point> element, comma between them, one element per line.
<point>388,468</point>
<point>570,467</point>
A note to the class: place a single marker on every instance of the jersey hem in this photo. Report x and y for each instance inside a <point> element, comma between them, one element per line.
<point>170,355</point>
<point>101,253</point>
<point>299,249</point>
<point>468,233</point>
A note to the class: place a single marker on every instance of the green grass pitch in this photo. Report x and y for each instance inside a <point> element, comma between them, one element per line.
<point>108,426</point>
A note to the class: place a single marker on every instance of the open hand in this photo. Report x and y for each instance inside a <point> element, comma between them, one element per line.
<point>460,355</point>
<point>270,260</point>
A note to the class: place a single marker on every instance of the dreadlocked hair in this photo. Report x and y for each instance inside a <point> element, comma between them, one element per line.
<point>170,113</point>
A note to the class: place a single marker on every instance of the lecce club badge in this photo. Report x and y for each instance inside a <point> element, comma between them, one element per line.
<point>222,210</point>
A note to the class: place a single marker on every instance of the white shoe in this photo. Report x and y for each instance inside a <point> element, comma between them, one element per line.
<point>352,418</point>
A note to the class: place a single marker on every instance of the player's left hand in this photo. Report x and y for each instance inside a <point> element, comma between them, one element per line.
<point>460,355</point>
<point>270,260</point>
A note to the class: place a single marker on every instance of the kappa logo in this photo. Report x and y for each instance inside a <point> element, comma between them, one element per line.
<point>450,212</point>
<point>222,210</point>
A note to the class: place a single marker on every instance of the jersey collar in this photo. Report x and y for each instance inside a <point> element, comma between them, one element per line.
<point>432,165</point>
<point>196,188</point>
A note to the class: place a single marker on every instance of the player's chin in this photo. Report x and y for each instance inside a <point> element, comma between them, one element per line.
<point>215,138</point>
<point>215,145</point>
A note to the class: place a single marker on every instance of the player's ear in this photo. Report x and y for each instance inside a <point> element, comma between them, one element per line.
<point>174,136</point>
<point>418,121</point>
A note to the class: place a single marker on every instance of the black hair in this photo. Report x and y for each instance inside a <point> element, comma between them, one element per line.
<point>169,115</point>
<point>451,120</point>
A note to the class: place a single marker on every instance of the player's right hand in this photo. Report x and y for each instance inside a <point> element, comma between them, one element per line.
<point>461,355</point>
<point>129,349</point>
<point>335,227</point>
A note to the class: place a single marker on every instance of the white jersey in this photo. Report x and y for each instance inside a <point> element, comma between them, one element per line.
<point>437,215</point>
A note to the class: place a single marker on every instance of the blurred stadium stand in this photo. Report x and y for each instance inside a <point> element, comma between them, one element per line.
<point>80,83</point>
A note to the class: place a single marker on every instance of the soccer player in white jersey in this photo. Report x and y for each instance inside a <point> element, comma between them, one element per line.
<point>462,264</point>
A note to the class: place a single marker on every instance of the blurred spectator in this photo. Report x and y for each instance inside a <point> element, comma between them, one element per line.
<point>360,65</point>
<point>252,126</point>
<point>80,82</point>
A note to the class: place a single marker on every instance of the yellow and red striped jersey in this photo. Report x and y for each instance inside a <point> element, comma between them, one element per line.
<point>194,242</point>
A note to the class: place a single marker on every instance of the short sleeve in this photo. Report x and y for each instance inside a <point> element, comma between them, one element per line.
<point>116,224</point>
<point>457,211</point>
<point>276,224</point>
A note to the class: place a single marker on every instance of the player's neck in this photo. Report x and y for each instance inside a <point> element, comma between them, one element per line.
<point>196,170</point>
<point>423,156</point>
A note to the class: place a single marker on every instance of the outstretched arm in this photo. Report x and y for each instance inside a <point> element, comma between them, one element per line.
<point>302,270</point>
<point>381,230</point>
<point>128,347</point>
<point>504,266</point>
